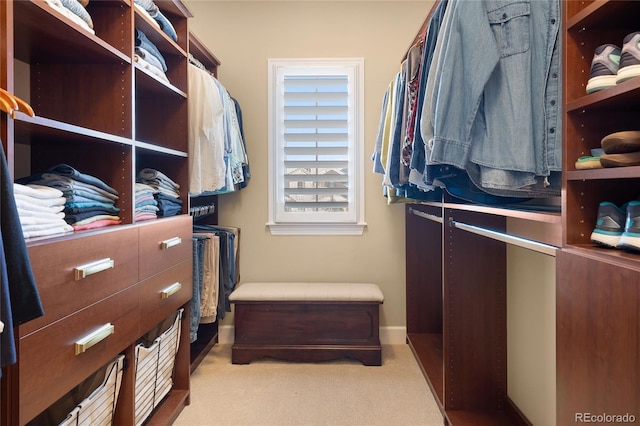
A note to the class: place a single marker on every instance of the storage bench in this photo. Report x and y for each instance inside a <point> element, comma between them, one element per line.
<point>307,322</point>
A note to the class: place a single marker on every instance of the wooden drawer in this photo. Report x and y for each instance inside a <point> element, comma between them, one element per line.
<point>156,306</point>
<point>49,366</point>
<point>164,243</point>
<point>61,288</point>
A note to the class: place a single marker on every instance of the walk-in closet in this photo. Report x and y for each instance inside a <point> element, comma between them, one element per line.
<point>156,156</point>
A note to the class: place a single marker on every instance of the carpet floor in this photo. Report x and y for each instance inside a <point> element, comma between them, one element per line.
<point>268,392</point>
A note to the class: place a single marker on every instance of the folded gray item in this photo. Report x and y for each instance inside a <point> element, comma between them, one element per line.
<point>78,10</point>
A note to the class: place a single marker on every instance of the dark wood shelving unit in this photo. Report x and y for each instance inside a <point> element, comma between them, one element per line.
<point>598,289</point>
<point>456,307</point>
<point>97,111</point>
<point>456,283</point>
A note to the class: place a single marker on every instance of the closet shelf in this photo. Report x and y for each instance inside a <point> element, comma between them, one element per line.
<point>620,258</point>
<point>175,7</point>
<point>42,35</point>
<point>515,212</point>
<point>518,211</point>
<point>148,82</point>
<point>604,14</point>
<point>622,96</point>
<point>632,172</point>
<point>199,50</point>
<point>157,36</point>
<point>32,128</point>
<point>156,149</point>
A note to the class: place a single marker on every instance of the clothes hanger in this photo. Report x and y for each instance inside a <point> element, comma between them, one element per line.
<point>8,103</point>
<point>24,107</point>
<point>11,104</point>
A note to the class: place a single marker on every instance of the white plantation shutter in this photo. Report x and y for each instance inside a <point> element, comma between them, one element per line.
<point>315,145</point>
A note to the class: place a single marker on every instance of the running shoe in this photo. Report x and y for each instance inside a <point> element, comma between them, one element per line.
<point>604,68</point>
<point>630,238</point>
<point>629,58</point>
<point>609,225</point>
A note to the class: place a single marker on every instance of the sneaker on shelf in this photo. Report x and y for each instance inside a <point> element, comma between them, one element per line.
<point>610,224</point>
<point>621,142</point>
<point>604,68</point>
<point>629,58</point>
<point>630,238</point>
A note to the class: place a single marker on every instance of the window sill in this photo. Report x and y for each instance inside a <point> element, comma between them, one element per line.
<point>316,228</point>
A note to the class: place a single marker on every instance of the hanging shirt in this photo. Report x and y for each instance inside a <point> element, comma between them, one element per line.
<point>207,167</point>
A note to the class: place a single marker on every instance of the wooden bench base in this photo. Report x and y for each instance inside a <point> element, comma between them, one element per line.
<point>307,331</point>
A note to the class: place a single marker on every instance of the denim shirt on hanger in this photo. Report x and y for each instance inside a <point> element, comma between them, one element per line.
<point>495,104</point>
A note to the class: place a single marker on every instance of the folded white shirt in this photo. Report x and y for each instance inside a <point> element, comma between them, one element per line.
<point>47,231</point>
<point>26,205</point>
<point>43,202</point>
<point>37,191</point>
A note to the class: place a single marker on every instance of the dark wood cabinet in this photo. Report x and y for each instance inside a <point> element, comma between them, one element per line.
<point>598,338</point>
<point>597,291</point>
<point>98,110</point>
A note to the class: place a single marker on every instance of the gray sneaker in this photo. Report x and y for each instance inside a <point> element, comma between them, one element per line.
<point>604,68</point>
<point>630,238</point>
<point>630,58</point>
<point>609,225</point>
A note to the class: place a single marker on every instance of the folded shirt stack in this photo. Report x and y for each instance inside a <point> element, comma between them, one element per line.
<point>40,209</point>
<point>74,10</point>
<point>149,8</point>
<point>146,205</point>
<point>89,202</point>
<point>168,191</point>
<point>148,55</point>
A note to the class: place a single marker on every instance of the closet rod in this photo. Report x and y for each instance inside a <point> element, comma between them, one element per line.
<point>426,215</point>
<point>506,238</point>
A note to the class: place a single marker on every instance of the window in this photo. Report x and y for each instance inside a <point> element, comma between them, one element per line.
<point>316,146</point>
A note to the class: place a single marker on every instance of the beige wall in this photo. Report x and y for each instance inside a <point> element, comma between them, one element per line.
<point>243,35</point>
<point>531,331</point>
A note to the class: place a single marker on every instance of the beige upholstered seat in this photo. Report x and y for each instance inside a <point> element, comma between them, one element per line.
<point>295,291</point>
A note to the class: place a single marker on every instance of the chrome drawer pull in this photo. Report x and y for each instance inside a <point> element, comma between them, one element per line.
<point>170,243</point>
<point>90,268</point>
<point>172,289</point>
<point>94,338</point>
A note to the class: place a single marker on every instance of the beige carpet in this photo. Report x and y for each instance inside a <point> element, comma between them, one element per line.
<point>269,392</point>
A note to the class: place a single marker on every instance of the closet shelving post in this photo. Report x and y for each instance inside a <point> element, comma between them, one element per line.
<point>598,289</point>
<point>456,276</point>
<point>99,111</point>
<point>207,333</point>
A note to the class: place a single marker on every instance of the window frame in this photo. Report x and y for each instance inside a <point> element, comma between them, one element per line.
<point>351,222</point>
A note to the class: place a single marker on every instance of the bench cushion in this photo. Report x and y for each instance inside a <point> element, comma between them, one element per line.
<point>293,291</point>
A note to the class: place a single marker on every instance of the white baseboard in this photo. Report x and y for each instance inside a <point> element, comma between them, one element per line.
<point>393,335</point>
<point>388,335</point>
